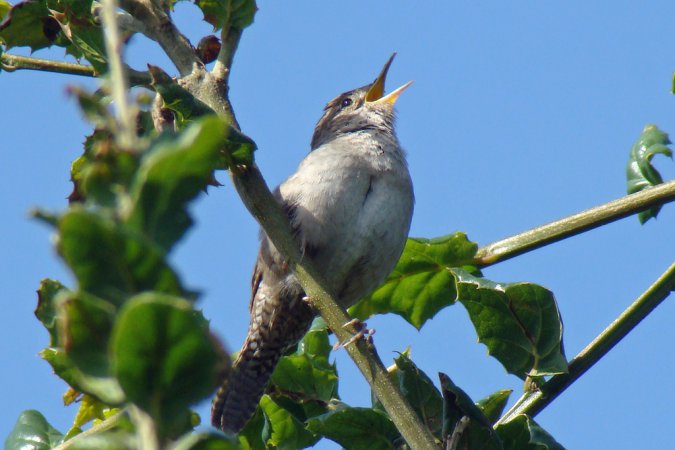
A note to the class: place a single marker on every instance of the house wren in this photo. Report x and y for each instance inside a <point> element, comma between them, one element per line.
<point>350,204</point>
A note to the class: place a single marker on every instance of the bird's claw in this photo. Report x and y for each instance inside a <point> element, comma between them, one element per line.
<point>362,332</point>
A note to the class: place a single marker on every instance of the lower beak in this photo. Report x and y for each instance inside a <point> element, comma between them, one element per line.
<point>393,95</point>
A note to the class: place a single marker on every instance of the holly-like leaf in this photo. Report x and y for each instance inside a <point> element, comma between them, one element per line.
<point>523,433</point>
<point>479,434</point>
<point>45,311</point>
<point>357,428</point>
<point>237,14</point>
<point>32,431</point>
<point>85,324</point>
<point>493,405</point>
<point>111,261</point>
<point>164,357</point>
<point>421,283</point>
<point>29,24</point>
<point>104,388</point>
<point>421,393</point>
<point>640,172</point>
<point>285,432</point>
<point>172,173</point>
<point>518,322</point>
<point>207,441</point>
<point>307,372</point>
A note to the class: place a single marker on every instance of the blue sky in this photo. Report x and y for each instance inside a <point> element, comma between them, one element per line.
<point>521,113</point>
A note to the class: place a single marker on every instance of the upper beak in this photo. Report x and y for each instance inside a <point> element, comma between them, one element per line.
<point>376,91</point>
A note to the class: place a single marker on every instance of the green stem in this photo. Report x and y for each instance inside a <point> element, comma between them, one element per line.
<point>533,402</point>
<point>578,223</point>
<point>118,78</point>
<point>10,63</point>
<point>260,202</point>
<point>107,424</point>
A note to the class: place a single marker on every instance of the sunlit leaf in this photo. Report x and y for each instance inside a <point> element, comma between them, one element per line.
<point>493,405</point>
<point>640,172</point>
<point>236,14</point>
<point>523,433</point>
<point>421,283</point>
<point>518,322</point>
<point>357,428</point>
<point>32,431</point>
<point>285,431</point>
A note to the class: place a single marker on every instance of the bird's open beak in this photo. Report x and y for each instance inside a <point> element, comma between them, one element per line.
<point>376,91</point>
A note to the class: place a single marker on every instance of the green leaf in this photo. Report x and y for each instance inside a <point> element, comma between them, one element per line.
<point>421,283</point>
<point>285,431</point>
<point>4,9</point>
<point>29,24</point>
<point>493,405</point>
<point>32,431</point>
<point>90,408</point>
<point>523,433</point>
<point>207,441</point>
<point>109,260</point>
<point>164,356</point>
<point>85,324</point>
<point>185,106</point>
<point>104,388</point>
<point>236,14</point>
<point>81,29</point>
<point>357,428</point>
<point>307,372</point>
<point>519,322</point>
<point>421,393</point>
<point>173,173</point>
<point>45,311</point>
<point>479,434</point>
<point>640,172</point>
<point>250,437</point>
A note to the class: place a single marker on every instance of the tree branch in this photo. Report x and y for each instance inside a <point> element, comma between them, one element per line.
<point>10,63</point>
<point>160,28</point>
<point>578,223</point>
<point>533,402</point>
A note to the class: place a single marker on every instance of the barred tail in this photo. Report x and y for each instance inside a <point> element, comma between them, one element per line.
<point>238,396</point>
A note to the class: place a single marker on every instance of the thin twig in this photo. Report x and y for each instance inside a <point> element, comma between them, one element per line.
<point>105,425</point>
<point>160,28</point>
<point>118,79</point>
<point>578,223</point>
<point>532,403</point>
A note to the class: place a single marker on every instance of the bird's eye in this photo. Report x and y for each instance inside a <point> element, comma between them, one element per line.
<point>346,102</point>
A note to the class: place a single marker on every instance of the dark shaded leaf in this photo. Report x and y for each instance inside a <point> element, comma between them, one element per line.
<point>518,322</point>
<point>493,405</point>
<point>109,260</point>
<point>46,309</point>
<point>640,172</point>
<point>85,324</point>
<point>285,431</point>
<point>164,357</point>
<point>32,431</point>
<point>207,441</point>
<point>104,388</point>
<point>523,433</point>
<point>479,434</point>
<point>421,393</point>
<point>356,428</point>
<point>172,173</point>
<point>236,14</point>
<point>29,24</point>
<point>421,283</point>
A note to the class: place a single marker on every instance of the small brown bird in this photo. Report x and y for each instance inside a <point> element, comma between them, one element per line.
<point>350,203</point>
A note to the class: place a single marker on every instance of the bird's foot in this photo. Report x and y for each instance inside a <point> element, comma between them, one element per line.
<point>362,332</point>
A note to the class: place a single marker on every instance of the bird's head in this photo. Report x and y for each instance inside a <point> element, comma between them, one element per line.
<point>359,110</point>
